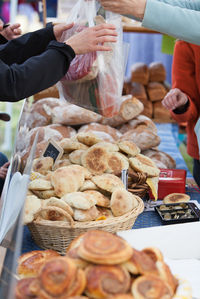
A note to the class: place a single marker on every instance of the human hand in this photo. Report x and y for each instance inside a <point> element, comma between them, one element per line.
<point>12,31</point>
<point>3,170</point>
<point>93,39</point>
<point>126,7</point>
<point>175,98</point>
<point>1,24</point>
<point>60,28</point>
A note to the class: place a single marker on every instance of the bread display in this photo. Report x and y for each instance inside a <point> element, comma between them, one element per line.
<point>139,91</point>
<point>140,73</point>
<point>161,112</point>
<point>141,121</point>
<point>157,72</point>
<point>101,265</point>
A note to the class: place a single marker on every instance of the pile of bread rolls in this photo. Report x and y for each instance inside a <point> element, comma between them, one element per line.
<point>97,265</point>
<point>56,120</point>
<point>147,83</point>
<point>85,184</point>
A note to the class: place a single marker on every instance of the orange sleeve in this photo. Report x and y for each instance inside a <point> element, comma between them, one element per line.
<point>183,77</point>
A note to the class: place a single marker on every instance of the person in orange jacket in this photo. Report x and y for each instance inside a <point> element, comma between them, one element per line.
<point>183,100</point>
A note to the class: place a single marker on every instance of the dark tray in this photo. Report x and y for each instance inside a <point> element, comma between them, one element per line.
<point>178,213</point>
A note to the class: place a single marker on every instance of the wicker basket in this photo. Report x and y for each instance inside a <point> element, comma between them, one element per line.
<point>138,185</point>
<point>57,235</point>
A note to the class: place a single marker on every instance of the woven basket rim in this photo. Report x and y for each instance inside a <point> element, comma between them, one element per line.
<point>95,224</point>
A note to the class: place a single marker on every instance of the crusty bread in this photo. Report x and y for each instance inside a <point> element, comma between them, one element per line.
<point>70,145</point>
<point>141,121</point>
<point>116,163</point>
<point>88,138</point>
<point>55,202</point>
<point>79,200</point>
<point>101,200</point>
<point>148,108</point>
<point>157,72</point>
<point>43,165</point>
<point>86,215</point>
<point>160,112</point>
<point>69,114</point>
<point>130,107</point>
<point>143,138</point>
<point>75,156</point>
<point>65,131</point>
<point>140,73</point>
<point>156,91</point>
<point>161,159</point>
<point>138,90</point>
<point>40,184</point>
<point>129,147</point>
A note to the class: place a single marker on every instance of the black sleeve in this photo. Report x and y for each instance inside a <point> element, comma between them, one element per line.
<point>35,74</point>
<point>20,49</point>
<point>3,40</point>
<point>182,109</point>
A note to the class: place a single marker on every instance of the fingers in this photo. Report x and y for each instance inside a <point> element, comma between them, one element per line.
<point>14,26</point>
<point>174,99</point>
<point>68,26</point>
<point>106,39</point>
<point>6,164</point>
<point>103,32</point>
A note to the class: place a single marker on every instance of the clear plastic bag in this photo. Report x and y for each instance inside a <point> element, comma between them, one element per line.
<point>95,80</point>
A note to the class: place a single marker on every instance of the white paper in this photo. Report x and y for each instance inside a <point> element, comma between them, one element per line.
<point>13,202</point>
<point>188,269</point>
<point>176,241</point>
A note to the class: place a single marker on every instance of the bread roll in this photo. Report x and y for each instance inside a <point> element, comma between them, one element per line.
<point>103,132</point>
<point>176,198</point>
<point>32,206</point>
<point>122,202</point>
<point>166,275</point>
<point>30,263</point>
<point>88,138</point>
<point>129,147</point>
<point>101,200</point>
<point>116,163</point>
<point>59,277</point>
<point>156,91</point>
<point>101,247</point>
<point>154,253</point>
<point>130,107</point>
<point>86,215</point>
<point>79,200</point>
<point>140,73</point>
<point>157,72</point>
<point>43,165</point>
<point>156,287</point>
<point>148,108</point>
<point>108,281</point>
<point>70,114</point>
<point>107,182</point>
<point>25,288</point>
<point>144,164</point>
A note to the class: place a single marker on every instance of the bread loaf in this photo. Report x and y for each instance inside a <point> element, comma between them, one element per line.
<point>138,91</point>
<point>143,138</point>
<point>65,131</point>
<point>156,91</point>
<point>140,73</point>
<point>141,121</point>
<point>130,107</point>
<point>148,108</point>
<point>161,159</point>
<point>49,92</point>
<point>69,114</point>
<point>40,112</point>
<point>160,112</point>
<point>157,72</point>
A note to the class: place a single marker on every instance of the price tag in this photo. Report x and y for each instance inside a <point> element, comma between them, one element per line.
<point>53,150</point>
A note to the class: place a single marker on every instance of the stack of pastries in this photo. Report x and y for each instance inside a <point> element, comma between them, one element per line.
<point>85,184</point>
<point>98,265</point>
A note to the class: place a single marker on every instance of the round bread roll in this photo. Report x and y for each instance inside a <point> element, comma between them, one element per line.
<point>75,156</point>
<point>154,253</point>
<point>25,288</point>
<point>40,184</point>
<point>107,182</point>
<point>70,145</point>
<point>129,147</point>
<point>116,163</point>
<point>60,278</point>
<point>32,206</point>
<point>149,284</point>
<point>139,121</point>
<point>31,262</point>
<point>79,200</point>
<point>144,164</point>
<point>176,198</point>
<point>44,194</point>
<point>160,158</point>
<point>55,202</point>
<point>109,280</point>
<point>90,214</point>
<point>166,275</point>
<point>101,200</point>
<point>141,263</point>
<point>157,72</point>
<point>122,202</point>
<point>43,165</point>
<point>101,247</point>
<point>88,138</point>
<point>140,73</point>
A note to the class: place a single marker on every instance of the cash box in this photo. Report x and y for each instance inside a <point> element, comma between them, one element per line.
<point>171,181</point>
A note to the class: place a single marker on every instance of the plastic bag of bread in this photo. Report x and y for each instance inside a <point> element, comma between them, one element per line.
<point>95,80</point>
